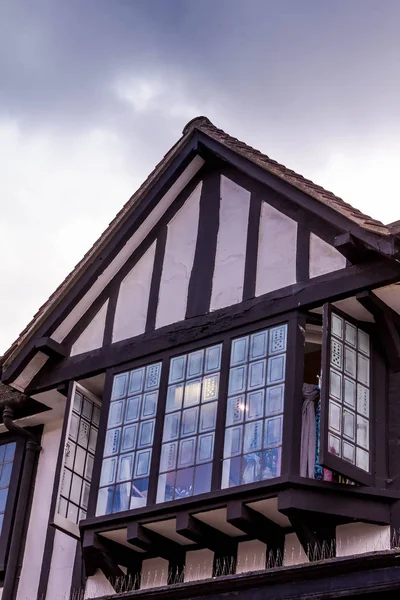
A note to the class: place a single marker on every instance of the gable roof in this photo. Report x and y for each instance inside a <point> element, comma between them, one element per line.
<point>203,125</point>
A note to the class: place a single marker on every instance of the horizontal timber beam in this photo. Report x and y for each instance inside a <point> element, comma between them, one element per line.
<point>305,295</point>
<point>338,505</point>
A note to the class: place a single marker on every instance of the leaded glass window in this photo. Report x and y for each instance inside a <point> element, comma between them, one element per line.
<point>349,393</point>
<point>189,424</point>
<point>79,454</point>
<point>124,479</point>
<point>7,453</point>
<point>254,416</point>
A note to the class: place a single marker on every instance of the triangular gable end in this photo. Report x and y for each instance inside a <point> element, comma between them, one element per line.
<point>208,239</point>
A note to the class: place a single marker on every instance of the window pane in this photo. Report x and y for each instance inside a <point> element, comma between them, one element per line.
<point>202,479</point>
<point>251,468</point>
<point>235,410</point>
<point>7,453</point>
<point>140,488</point>
<point>195,364</point>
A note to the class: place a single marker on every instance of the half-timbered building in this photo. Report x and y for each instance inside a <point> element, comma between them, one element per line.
<point>209,403</point>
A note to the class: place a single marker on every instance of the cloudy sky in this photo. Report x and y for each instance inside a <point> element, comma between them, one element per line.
<point>94,92</point>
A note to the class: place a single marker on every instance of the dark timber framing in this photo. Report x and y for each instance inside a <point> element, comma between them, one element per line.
<point>253,230</point>
<point>198,143</point>
<point>303,252</point>
<point>156,279</point>
<point>304,295</point>
<point>200,284</point>
<point>51,530</point>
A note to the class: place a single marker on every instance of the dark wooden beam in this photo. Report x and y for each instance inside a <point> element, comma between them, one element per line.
<point>255,525</point>
<point>253,232</point>
<point>387,321</point>
<point>307,295</point>
<point>316,533</point>
<point>373,304</point>
<point>98,554</point>
<point>337,505</point>
<point>154,543</point>
<point>51,348</point>
<point>200,284</point>
<point>303,252</point>
<point>387,245</point>
<point>204,535</point>
<point>351,248</point>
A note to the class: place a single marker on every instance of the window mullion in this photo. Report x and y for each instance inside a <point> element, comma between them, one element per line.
<point>221,415</point>
<point>292,415</point>
<point>158,432</point>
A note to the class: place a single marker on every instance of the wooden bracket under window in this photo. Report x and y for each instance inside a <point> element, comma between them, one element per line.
<point>257,526</point>
<point>317,536</point>
<point>98,553</point>
<point>204,535</point>
<point>154,543</point>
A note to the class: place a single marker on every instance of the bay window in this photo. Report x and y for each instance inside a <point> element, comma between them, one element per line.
<point>212,416</point>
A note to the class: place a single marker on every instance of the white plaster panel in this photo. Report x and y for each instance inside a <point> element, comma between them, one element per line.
<point>178,261</point>
<point>37,529</point>
<point>133,298</point>
<point>137,238</point>
<point>251,556</point>
<point>276,260</point>
<point>199,565</point>
<point>324,258</point>
<point>62,564</point>
<point>154,573</point>
<point>359,538</point>
<point>230,258</point>
<point>91,337</point>
<point>293,553</point>
<point>98,586</point>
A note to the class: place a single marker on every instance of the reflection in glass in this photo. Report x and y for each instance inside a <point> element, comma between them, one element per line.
<point>256,400</point>
<point>348,420</point>
<point>189,424</point>
<point>79,453</point>
<point>132,446</point>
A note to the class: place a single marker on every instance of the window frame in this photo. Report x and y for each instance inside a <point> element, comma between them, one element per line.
<point>12,499</point>
<point>60,522</point>
<point>326,459</point>
<point>293,319</point>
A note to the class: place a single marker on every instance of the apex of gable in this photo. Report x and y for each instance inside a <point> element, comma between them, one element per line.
<point>197,122</point>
